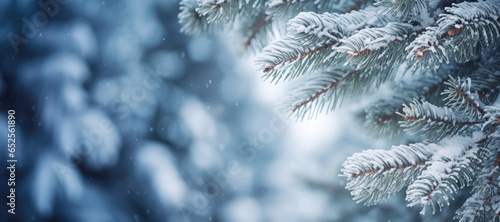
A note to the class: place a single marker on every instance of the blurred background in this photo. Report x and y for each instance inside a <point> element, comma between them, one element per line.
<point>120,117</point>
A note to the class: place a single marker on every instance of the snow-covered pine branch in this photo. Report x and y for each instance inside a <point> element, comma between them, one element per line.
<point>289,8</point>
<point>375,175</point>
<point>378,48</point>
<point>310,43</point>
<point>484,205</point>
<point>460,97</point>
<point>471,26</point>
<point>451,167</point>
<point>436,122</point>
<point>323,91</point>
<point>382,117</point>
<point>217,10</point>
<point>464,30</point>
<point>432,171</point>
<point>405,10</point>
<point>492,123</point>
<point>227,10</point>
<point>487,79</point>
<point>192,22</point>
<point>427,50</point>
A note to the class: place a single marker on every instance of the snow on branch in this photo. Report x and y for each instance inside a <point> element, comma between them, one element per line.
<point>192,22</point>
<point>483,205</point>
<point>289,58</point>
<point>460,97</point>
<point>217,10</point>
<point>382,118</point>
<point>404,9</point>
<point>335,25</point>
<point>452,167</point>
<point>322,91</point>
<point>427,50</point>
<point>492,117</point>
<point>471,26</point>
<point>310,43</point>
<point>475,208</point>
<point>466,28</point>
<point>377,48</point>
<point>487,79</point>
<point>227,10</point>
<point>375,175</point>
<point>435,122</point>
<point>288,8</point>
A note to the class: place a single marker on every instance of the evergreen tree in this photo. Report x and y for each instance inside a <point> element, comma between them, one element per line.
<point>441,62</point>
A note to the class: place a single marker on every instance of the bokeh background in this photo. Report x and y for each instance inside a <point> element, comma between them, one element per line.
<point>120,117</point>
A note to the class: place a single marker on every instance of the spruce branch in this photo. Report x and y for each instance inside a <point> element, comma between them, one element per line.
<point>432,171</point>
<point>192,22</point>
<point>460,97</point>
<point>289,8</point>
<point>310,43</point>
<point>471,26</point>
<point>492,123</point>
<point>427,50</point>
<point>382,118</point>
<point>404,10</point>
<point>217,10</point>
<point>294,59</point>
<point>487,79</point>
<point>323,91</point>
<point>256,29</point>
<point>435,122</point>
<point>466,28</point>
<point>331,86</point>
<point>474,209</point>
<point>375,175</point>
<point>483,204</point>
<point>452,167</point>
<point>375,49</point>
<point>226,11</point>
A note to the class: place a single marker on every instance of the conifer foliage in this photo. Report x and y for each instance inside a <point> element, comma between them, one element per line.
<point>447,49</point>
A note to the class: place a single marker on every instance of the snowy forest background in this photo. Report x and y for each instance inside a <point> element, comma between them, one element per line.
<point>123,118</point>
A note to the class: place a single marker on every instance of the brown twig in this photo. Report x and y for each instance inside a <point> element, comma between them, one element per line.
<point>389,116</point>
<point>255,30</point>
<point>482,206</point>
